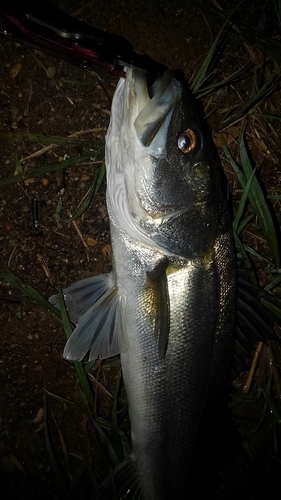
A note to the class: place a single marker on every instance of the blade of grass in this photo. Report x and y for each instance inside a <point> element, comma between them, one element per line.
<point>229,80</point>
<point>202,74</point>
<point>29,292</point>
<point>268,88</point>
<point>82,376</point>
<point>237,399</point>
<point>70,403</point>
<point>275,310</point>
<point>125,443</point>
<point>60,475</point>
<point>256,197</point>
<point>273,407</point>
<point>259,202</point>
<point>46,169</point>
<point>269,116</point>
<point>245,258</point>
<point>63,445</point>
<point>106,443</point>
<point>255,38</point>
<point>88,366</point>
<point>273,284</point>
<point>252,251</point>
<point>240,175</point>
<point>243,201</point>
<point>251,36</point>
<point>18,169</point>
<point>244,223</point>
<point>19,135</point>
<point>96,184</point>
<point>274,197</point>
<point>105,424</point>
<point>115,436</point>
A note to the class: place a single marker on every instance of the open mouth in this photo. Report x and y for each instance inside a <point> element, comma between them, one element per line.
<point>154,104</point>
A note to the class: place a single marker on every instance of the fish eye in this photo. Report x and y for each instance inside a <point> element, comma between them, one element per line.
<point>187,141</point>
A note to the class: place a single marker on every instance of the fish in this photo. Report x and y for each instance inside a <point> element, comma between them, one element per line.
<point>168,305</point>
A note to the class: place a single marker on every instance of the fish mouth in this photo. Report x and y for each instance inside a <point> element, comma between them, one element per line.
<point>152,108</point>
<point>154,105</point>
<point>141,115</point>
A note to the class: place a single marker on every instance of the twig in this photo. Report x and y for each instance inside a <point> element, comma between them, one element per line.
<point>253,368</point>
<point>105,390</point>
<point>80,235</point>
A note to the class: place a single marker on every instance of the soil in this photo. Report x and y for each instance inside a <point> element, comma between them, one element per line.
<point>41,94</point>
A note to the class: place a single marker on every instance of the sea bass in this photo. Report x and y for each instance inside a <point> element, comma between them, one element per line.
<point>168,305</point>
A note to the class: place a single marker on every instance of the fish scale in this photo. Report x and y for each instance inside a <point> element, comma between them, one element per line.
<point>168,305</point>
<point>167,397</point>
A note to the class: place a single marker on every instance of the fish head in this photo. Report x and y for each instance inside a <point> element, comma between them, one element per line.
<point>171,189</point>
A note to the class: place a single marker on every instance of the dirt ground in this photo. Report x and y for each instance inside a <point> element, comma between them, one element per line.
<point>41,94</point>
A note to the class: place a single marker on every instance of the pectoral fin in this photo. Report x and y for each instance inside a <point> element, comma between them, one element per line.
<point>98,309</point>
<point>100,331</point>
<point>158,280</point>
<point>80,296</point>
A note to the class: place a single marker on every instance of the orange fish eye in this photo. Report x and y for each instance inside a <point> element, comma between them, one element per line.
<point>187,141</point>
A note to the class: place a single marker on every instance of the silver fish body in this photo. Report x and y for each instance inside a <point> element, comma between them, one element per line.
<point>168,305</point>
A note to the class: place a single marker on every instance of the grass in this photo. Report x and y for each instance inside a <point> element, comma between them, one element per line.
<point>253,192</point>
<point>254,211</point>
